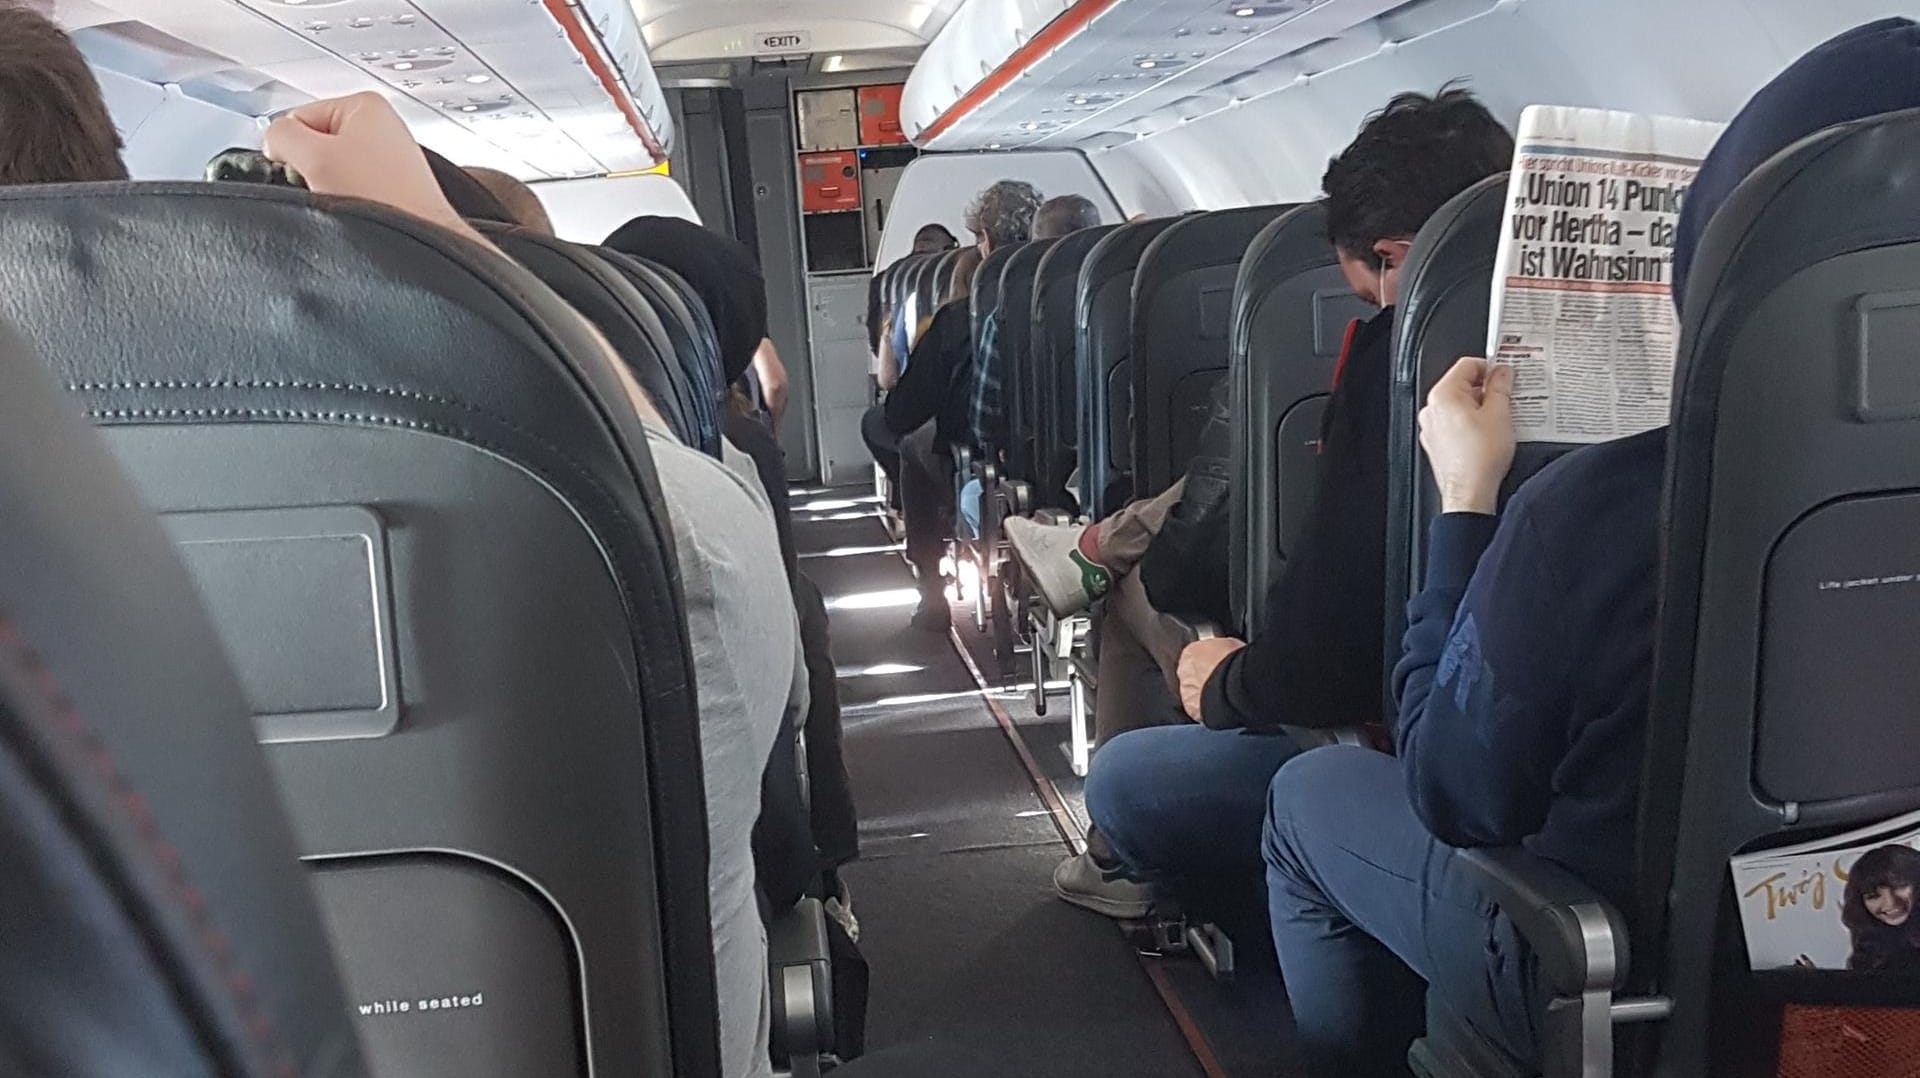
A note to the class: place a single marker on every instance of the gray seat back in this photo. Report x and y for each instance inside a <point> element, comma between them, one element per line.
<point>1445,286</point>
<point>1103,350</point>
<point>420,506</point>
<point>1019,396</point>
<point>1182,315</point>
<point>1055,383</point>
<point>1292,308</point>
<point>159,921</point>
<point>1784,683</point>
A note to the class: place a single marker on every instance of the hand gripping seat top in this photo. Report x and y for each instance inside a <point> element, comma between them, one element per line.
<point>1018,397</point>
<point>1103,347</point>
<point>1182,312</point>
<point>1291,310</point>
<point>1445,286</point>
<point>159,921</point>
<point>1054,391</point>
<point>420,507</point>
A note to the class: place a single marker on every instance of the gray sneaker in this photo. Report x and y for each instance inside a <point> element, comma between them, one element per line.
<point>1080,880</point>
<point>1067,579</point>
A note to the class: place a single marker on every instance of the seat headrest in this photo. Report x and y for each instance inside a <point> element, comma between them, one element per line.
<point>209,303</point>
<point>166,915</point>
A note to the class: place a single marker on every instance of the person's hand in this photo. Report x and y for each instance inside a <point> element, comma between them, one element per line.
<point>1198,661</point>
<point>360,147</point>
<point>773,380</point>
<point>1467,430</point>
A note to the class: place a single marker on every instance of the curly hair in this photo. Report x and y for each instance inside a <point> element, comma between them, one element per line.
<point>1003,214</point>
<point>1407,161</point>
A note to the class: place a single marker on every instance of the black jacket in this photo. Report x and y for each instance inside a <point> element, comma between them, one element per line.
<point>930,388</point>
<point>1317,661</point>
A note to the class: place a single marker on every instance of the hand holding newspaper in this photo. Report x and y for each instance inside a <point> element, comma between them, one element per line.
<point>1582,305</point>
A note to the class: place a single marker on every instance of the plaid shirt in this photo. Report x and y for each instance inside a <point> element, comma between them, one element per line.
<point>985,419</point>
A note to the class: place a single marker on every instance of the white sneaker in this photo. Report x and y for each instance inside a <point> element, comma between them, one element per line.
<point>1067,579</point>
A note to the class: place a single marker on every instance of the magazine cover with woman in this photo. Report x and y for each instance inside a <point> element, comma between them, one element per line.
<point>1845,902</point>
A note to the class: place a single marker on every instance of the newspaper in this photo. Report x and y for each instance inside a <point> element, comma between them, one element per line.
<point>1806,906</point>
<point>1582,307</point>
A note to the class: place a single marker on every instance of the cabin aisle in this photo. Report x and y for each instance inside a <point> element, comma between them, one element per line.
<point>973,959</point>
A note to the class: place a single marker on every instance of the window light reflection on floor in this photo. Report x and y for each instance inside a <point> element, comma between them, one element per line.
<point>875,600</point>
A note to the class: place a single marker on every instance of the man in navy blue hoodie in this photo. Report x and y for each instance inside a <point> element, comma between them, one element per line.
<point>1523,683</point>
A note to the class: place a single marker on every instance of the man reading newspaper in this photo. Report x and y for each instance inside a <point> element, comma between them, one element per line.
<point>1523,684</point>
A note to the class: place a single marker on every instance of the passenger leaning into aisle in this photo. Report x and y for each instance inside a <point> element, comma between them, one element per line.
<point>746,664</point>
<point>1178,807</point>
<point>1523,684</point>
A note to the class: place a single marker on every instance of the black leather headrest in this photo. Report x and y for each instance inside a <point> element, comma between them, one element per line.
<point>159,918</point>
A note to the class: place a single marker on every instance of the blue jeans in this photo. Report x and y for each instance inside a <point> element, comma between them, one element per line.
<point>1181,806</point>
<point>1368,910</point>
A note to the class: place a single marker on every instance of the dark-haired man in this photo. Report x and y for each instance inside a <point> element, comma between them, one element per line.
<point>1178,807</point>
<point>54,126</point>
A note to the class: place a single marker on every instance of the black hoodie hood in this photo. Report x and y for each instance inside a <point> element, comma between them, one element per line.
<point>722,271</point>
<point>1867,71</point>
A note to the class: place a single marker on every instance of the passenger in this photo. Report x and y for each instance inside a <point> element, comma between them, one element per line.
<point>929,393</point>
<point>54,126</point>
<point>744,661</point>
<point>1180,806</point>
<point>516,197</point>
<point>1523,684</point>
<point>1000,217</point>
<point>987,423</point>
<point>723,273</point>
<point>933,239</point>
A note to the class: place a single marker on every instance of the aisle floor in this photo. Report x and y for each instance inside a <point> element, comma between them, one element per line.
<point>970,951</point>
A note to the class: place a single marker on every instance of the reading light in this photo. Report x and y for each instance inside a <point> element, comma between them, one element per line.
<point>478,79</point>
<point>404,65</point>
<point>1243,13</point>
<point>1148,65</point>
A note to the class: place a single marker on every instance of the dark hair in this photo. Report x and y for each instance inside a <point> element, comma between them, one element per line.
<point>1876,944</point>
<point>1407,161</point>
<point>54,126</point>
<point>1063,214</point>
<point>932,239</point>
<point>1004,212</point>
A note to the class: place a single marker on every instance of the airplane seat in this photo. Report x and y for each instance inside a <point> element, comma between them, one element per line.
<point>943,272</point>
<point>1445,288</point>
<point>696,340</point>
<point>1056,389</point>
<point>1781,685</point>
<point>926,290</point>
<point>162,921</point>
<point>1018,396</point>
<point>419,503</point>
<point>1103,350</point>
<point>973,477</point>
<point>632,320</point>
<point>1182,313</point>
<point>1292,307</point>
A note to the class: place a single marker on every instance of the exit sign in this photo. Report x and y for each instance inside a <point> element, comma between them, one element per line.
<point>782,42</point>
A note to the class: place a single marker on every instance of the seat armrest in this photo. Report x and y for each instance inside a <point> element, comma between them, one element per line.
<point>1193,630</point>
<point>1579,939</point>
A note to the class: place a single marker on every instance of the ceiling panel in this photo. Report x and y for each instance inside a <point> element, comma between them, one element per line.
<point>1135,68</point>
<point>693,30</point>
<point>484,82</point>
